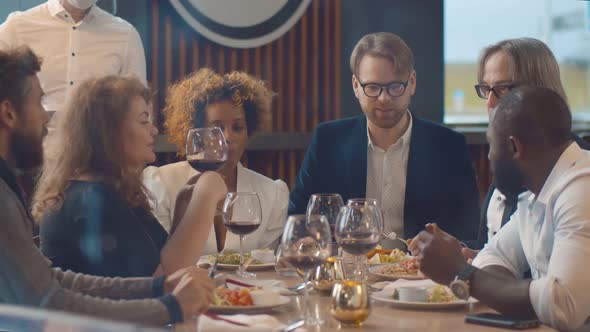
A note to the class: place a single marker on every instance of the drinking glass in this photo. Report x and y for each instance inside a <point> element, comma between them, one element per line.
<point>326,205</point>
<point>242,215</point>
<point>304,245</point>
<point>350,303</point>
<point>367,201</point>
<point>358,232</point>
<point>206,149</point>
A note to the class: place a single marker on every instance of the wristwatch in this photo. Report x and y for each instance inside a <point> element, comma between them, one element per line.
<point>460,286</point>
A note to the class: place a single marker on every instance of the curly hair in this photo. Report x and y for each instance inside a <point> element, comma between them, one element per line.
<point>187,100</point>
<point>86,141</point>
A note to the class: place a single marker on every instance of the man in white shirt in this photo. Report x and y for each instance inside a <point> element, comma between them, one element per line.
<point>76,40</point>
<point>531,146</point>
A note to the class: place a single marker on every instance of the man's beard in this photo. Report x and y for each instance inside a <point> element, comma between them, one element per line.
<point>508,179</point>
<point>27,150</point>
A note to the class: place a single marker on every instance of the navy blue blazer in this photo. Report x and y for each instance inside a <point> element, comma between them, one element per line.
<point>440,184</point>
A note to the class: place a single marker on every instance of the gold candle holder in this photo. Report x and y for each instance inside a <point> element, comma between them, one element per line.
<point>350,302</point>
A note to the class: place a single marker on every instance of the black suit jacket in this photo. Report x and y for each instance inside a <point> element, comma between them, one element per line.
<point>510,205</point>
<point>440,183</point>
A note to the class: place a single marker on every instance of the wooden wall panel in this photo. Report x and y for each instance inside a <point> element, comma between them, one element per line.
<point>301,67</point>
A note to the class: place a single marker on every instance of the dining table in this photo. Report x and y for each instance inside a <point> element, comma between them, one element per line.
<point>383,316</point>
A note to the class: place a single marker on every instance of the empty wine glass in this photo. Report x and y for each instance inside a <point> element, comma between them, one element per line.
<point>327,204</point>
<point>304,245</point>
<point>242,215</point>
<point>206,149</point>
<point>358,232</point>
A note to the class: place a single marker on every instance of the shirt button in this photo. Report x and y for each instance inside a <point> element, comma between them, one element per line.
<point>74,28</point>
<point>71,82</point>
<point>66,16</point>
<point>73,54</point>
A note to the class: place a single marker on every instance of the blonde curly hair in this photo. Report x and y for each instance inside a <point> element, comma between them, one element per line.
<point>187,100</point>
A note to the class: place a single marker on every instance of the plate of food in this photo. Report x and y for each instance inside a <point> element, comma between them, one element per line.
<point>380,256</point>
<point>256,260</point>
<point>422,297</point>
<point>406,267</point>
<point>245,300</point>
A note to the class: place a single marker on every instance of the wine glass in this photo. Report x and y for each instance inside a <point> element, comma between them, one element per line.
<point>350,303</point>
<point>242,215</point>
<point>357,232</point>
<point>304,245</point>
<point>206,149</point>
<point>326,205</point>
<point>366,201</point>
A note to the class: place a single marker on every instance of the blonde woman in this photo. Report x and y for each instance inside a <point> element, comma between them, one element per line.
<point>240,105</point>
<point>93,208</point>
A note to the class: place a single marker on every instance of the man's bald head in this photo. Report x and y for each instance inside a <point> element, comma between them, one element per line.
<point>534,115</point>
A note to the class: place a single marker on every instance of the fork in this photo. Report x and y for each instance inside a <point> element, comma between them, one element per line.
<point>393,236</point>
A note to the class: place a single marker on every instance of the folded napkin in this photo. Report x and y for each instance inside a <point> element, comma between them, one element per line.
<point>270,284</point>
<point>254,322</point>
<point>390,286</point>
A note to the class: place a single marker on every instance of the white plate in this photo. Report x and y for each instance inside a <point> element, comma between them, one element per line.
<point>204,263</point>
<point>374,270</point>
<point>387,297</point>
<point>249,309</point>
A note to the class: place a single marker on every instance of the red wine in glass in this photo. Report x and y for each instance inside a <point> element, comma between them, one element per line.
<point>358,246</point>
<point>241,228</point>
<point>305,263</point>
<point>204,165</point>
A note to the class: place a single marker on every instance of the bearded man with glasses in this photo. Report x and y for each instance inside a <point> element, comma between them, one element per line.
<point>418,171</point>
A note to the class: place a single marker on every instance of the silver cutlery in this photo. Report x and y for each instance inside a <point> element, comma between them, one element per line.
<point>393,236</point>
<point>299,287</point>
<point>213,268</point>
<point>293,326</point>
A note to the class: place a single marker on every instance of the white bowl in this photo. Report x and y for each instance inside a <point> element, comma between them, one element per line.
<point>413,294</point>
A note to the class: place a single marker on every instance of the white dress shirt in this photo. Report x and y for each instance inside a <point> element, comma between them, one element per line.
<point>495,212</point>
<point>550,233</point>
<point>165,182</point>
<point>100,44</point>
<point>386,178</point>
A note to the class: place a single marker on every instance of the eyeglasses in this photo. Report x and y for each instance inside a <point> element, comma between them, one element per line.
<point>483,90</point>
<point>394,89</point>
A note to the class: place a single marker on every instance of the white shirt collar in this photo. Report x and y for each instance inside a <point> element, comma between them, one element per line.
<point>402,140</point>
<point>57,10</point>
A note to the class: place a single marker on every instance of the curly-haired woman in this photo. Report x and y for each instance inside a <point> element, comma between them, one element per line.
<point>94,210</point>
<point>240,105</point>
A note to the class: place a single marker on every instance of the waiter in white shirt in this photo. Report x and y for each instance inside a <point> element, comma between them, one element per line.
<point>531,146</point>
<point>76,40</point>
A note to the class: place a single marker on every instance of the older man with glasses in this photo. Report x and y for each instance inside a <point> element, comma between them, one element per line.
<point>418,171</point>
